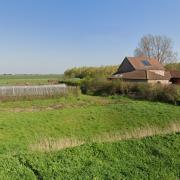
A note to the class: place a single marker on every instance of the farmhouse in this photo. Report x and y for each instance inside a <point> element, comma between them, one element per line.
<point>142,69</point>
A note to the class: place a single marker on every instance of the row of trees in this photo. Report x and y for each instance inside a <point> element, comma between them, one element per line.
<point>91,72</point>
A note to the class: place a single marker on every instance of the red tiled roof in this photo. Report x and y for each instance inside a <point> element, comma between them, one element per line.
<point>142,75</point>
<point>139,74</point>
<point>138,65</point>
<point>154,76</point>
<point>175,74</point>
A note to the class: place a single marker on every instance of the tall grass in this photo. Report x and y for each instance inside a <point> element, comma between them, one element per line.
<point>49,144</point>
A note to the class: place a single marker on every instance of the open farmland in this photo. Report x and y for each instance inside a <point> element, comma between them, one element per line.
<point>34,136</point>
<point>28,79</point>
<point>89,90</point>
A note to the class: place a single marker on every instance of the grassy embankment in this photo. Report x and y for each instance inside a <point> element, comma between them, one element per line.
<point>24,123</point>
<point>150,158</point>
<point>33,134</point>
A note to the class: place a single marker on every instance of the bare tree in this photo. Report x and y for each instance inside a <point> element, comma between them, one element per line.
<point>159,47</point>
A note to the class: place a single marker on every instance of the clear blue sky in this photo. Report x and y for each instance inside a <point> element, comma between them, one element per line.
<point>48,36</point>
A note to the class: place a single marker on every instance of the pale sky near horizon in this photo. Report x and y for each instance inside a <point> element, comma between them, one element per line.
<point>49,36</point>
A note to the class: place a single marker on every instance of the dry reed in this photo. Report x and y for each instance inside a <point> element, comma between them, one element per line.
<point>47,145</point>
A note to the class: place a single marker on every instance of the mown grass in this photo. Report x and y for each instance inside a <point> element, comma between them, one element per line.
<point>154,157</point>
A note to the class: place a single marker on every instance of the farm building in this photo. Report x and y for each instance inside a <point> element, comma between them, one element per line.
<point>175,77</point>
<point>143,69</point>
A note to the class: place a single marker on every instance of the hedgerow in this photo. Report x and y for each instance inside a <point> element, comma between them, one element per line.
<point>154,92</point>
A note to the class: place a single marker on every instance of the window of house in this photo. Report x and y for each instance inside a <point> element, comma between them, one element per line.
<point>146,63</point>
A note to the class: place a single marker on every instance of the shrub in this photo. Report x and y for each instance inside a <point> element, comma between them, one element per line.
<point>173,66</point>
<point>153,92</point>
<point>102,86</point>
<point>168,93</point>
<point>71,81</point>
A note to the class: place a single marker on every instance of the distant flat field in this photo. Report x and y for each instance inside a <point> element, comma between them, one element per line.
<point>28,79</point>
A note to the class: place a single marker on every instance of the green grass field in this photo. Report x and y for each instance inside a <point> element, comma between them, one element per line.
<point>27,79</point>
<point>89,137</point>
<point>150,158</point>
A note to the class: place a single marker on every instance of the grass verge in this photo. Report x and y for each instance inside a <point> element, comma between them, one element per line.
<point>154,157</point>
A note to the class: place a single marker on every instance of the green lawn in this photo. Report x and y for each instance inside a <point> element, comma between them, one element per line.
<point>28,129</point>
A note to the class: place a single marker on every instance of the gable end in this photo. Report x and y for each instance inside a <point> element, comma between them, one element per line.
<point>125,66</point>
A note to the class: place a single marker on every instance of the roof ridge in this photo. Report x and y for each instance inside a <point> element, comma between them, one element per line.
<point>137,64</point>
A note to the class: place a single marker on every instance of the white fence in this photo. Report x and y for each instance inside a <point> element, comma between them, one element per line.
<point>42,90</point>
